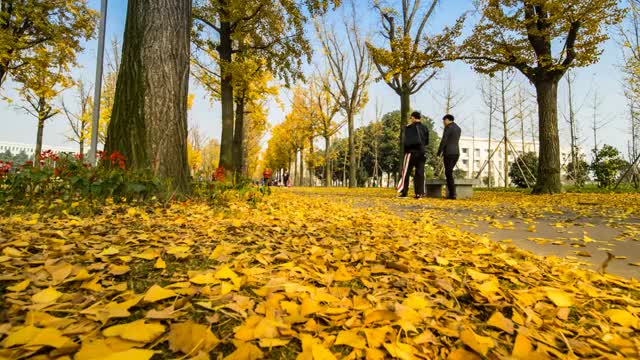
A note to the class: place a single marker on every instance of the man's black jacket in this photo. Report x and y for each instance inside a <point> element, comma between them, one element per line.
<point>416,138</point>
<point>450,138</point>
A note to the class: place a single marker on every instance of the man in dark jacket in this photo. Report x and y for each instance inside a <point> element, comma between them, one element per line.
<point>451,151</point>
<point>416,138</point>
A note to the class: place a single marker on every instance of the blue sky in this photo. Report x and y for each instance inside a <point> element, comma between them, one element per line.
<point>471,113</point>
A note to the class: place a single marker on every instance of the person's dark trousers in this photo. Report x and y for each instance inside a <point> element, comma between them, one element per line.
<point>417,161</point>
<point>450,162</point>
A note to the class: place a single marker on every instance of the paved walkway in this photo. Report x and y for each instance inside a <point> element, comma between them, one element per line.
<point>586,236</point>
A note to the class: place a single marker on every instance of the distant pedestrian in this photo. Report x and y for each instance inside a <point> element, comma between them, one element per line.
<point>286,178</point>
<point>416,139</point>
<point>266,176</point>
<point>450,150</point>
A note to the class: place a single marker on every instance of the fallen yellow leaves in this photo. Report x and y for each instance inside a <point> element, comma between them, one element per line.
<point>300,276</point>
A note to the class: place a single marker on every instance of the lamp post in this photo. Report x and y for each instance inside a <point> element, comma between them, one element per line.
<point>98,85</point>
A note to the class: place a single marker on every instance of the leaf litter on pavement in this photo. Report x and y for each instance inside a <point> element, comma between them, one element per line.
<point>295,277</point>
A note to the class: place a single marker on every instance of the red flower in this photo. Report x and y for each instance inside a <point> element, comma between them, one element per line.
<point>117,158</point>
<point>218,175</point>
<point>78,156</point>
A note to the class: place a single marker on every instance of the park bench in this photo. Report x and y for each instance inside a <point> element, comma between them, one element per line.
<point>464,187</point>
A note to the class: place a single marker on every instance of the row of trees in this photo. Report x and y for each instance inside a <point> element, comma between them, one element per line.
<point>238,42</point>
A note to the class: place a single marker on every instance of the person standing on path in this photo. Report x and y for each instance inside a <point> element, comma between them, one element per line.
<point>450,150</point>
<point>416,139</point>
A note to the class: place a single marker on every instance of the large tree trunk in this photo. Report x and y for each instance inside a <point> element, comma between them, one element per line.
<point>548,180</point>
<point>327,169</point>
<point>352,151</point>
<point>238,138</point>
<point>226,98</point>
<point>149,118</point>
<point>405,108</point>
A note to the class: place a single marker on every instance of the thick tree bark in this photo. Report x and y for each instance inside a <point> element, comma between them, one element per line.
<point>226,98</point>
<point>327,169</point>
<point>352,151</point>
<point>238,138</point>
<point>548,180</point>
<point>405,108</point>
<point>149,119</point>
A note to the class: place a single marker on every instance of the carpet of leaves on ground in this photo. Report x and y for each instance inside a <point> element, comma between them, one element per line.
<point>294,277</point>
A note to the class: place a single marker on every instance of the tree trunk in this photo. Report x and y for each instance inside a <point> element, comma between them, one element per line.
<point>294,181</point>
<point>548,180</point>
<point>352,151</point>
<point>4,69</point>
<point>41,119</point>
<point>238,138</point>
<point>301,183</point>
<point>226,97</point>
<point>327,169</point>
<point>405,108</point>
<point>312,168</point>
<point>149,118</point>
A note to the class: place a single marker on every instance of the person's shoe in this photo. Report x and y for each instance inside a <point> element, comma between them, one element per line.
<point>401,196</point>
<point>419,196</point>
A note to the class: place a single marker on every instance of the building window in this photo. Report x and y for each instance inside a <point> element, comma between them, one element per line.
<point>465,162</point>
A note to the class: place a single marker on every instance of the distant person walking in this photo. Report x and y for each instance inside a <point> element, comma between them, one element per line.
<point>286,178</point>
<point>450,150</point>
<point>416,138</point>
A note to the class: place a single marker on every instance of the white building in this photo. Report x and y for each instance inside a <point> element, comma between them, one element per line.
<point>17,148</point>
<point>474,156</point>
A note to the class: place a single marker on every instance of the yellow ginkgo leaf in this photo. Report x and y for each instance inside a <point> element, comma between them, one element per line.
<point>119,269</point>
<point>190,338</point>
<point>12,252</point>
<point>112,250</point>
<point>138,331</point>
<point>131,354</point>
<point>623,317</point>
<point>245,351</point>
<point>559,297</point>
<point>160,264</point>
<point>351,338</point>
<point>21,286</point>
<point>499,321</point>
<point>269,343</point>
<point>46,296</point>
<point>477,275</point>
<point>462,354</point>
<point>32,335</point>
<point>157,293</point>
<point>522,347</point>
<point>480,344</point>
<point>321,352</point>
<point>400,351</point>
<point>380,315</point>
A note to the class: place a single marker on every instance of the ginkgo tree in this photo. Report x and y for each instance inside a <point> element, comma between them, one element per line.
<point>410,57</point>
<point>273,30</point>
<point>41,81</point>
<point>26,27</point>
<point>543,40</point>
